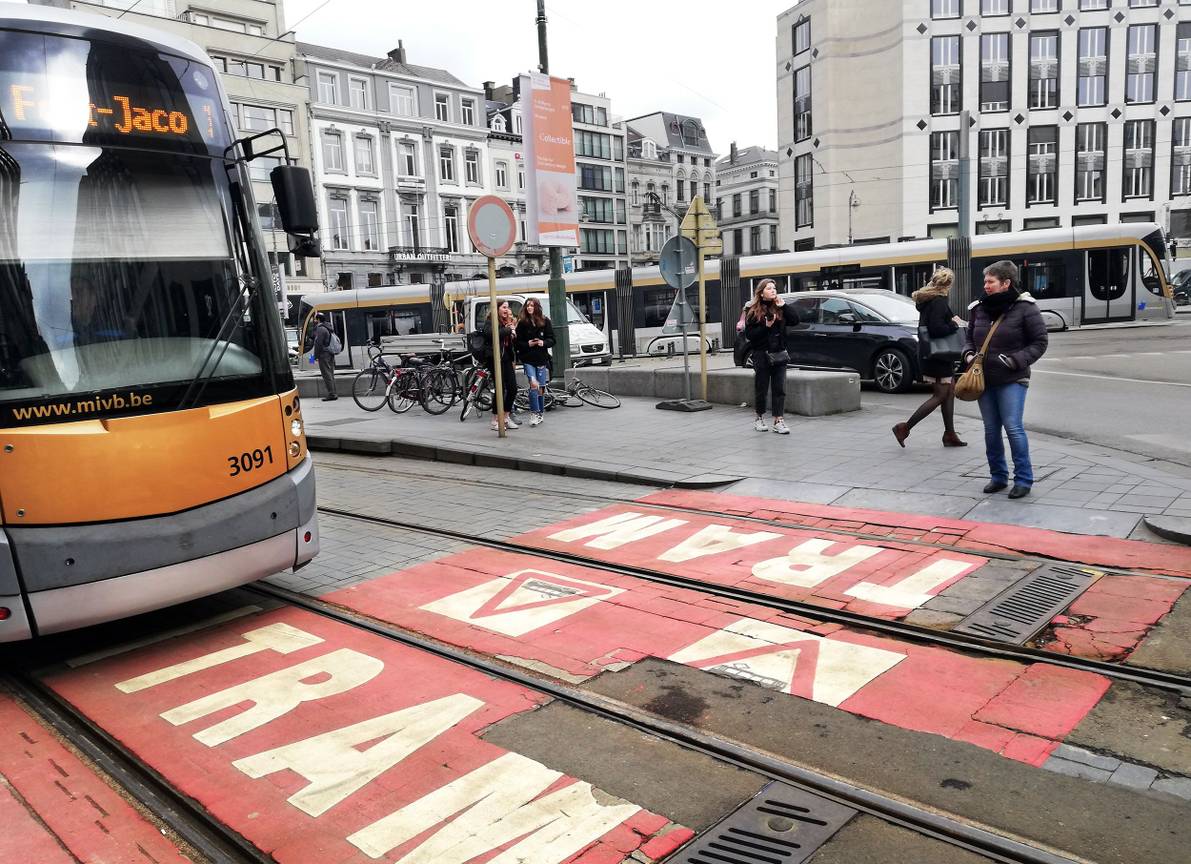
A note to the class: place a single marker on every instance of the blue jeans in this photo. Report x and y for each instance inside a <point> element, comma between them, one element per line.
<point>541,374</point>
<point>1003,408</point>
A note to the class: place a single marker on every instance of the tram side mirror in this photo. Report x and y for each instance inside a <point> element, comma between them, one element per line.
<point>295,205</point>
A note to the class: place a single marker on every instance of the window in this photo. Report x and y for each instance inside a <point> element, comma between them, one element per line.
<point>596,241</point>
<point>413,225</point>
<point>285,120</point>
<point>738,242</point>
<point>590,114</point>
<point>502,175</point>
<point>621,217</point>
<point>994,168</point>
<point>754,201</point>
<point>804,192</point>
<point>1092,5</point>
<point>1139,159</point>
<point>597,178</point>
<point>446,164</point>
<point>1180,157</point>
<point>946,81</point>
<point>802,104</point>
<point>365,156</point>
<point>468,112</point>
<point>260,167</point>
<point>338,226</point>
<point>593,145</point>
<point>736,204</point>
<point>471,166</point>
<point>1044,70</point>
<point>403,100</point>
<point>1140,63</point>
<point>944,170</point>
<point>706,191</point>
<point>802,36</point>
<point>1093,67</point>
<point>1042,166</point>
<point>1142,4</point>
<point>635,193</point>
<point>649,149</point>
<point>442,107</point>
<point>681,158</point>
<point>270,219</point>
<point>991,8</point>
<point>1182,63</point>
<point>451,228</point>
<point>694,189</point>
<point>357,93</point>
<point>618,176</point>
<point>772,238</point>
<point>1090,159</point>
<point>755,239</point>
<point>327,85</point>
<point>520,179</point>
<point>596,209</point>
<point>332,151</point>
<point>679,189</point>
<point>994,72</point>
<point>617,148</point>
<point>370,225</point>
<point>256,118</point>
<point>772,200</point>
<point>1040,6</point>
<point>945,8</point>
<point>407,159</point>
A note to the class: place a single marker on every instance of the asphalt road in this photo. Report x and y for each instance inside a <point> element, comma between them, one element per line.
<point>1128,388</point>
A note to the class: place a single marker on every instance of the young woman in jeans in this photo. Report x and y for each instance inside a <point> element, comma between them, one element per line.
<point>535,338</point>
<point>508,325</point>
<point>1020,339</point>
<point>766,320</point>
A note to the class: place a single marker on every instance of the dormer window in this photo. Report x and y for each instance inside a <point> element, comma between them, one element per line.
<point>649,149</point>
<point>499,124</point>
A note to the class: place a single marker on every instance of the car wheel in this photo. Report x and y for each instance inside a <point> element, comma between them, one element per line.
<point>891,371</point>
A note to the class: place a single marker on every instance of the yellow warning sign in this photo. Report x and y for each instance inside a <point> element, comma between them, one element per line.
<point>700,227</point>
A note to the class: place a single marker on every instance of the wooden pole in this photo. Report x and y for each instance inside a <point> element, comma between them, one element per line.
<point>497,377</point>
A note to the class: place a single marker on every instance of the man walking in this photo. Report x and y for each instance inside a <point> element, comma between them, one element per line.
<point>323,337</point>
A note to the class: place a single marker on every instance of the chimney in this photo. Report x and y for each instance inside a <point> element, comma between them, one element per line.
<point>489,86</point>
<point>732,153</point>
<point>397,55</point>
<point>574,87</point>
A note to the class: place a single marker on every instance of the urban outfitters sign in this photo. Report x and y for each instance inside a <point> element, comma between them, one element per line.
<point>550,154</point>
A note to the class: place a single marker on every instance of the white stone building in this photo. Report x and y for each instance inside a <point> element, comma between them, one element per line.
<point>746,200</point>
<point>1080,109</point>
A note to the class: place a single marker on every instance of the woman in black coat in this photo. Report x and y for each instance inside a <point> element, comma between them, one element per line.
<point>766,320</point>
<point>508,371</point>
<point>934,313</point>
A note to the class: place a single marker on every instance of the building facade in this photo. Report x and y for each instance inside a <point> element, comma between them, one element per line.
<point>248,41</point>
<point>1080,114</point>
<point>670,157</point>
<point>746,200</point>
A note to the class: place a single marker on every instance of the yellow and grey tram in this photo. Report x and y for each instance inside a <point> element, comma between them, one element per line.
<point>151,439</point>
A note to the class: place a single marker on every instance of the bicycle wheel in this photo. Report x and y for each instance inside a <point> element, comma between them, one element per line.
<point>476,385</point>
<point>522,400</point>
<point>438,391</point>
<point>368,389</point>
<point>598,398</point>
<point>403,393</point>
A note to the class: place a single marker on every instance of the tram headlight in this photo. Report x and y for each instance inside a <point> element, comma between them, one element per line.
<point>295,449</point>
<point>295,428</point>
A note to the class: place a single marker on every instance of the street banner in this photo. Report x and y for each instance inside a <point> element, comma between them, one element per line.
<point>550,157</point>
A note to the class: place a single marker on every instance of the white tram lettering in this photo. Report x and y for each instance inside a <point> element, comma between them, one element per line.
<point>714,540</point>
<point>616,531</point>
<point>808,564</point>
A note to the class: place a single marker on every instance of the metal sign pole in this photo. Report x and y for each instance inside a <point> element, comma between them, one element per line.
<point>686,350</point>
<point>497,377</point>
<point>702,329</point>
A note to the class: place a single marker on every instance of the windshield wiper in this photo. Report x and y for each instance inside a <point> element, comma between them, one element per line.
<point>235,314</point>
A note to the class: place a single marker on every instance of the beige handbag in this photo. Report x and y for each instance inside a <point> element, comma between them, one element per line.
<point>970,386</point>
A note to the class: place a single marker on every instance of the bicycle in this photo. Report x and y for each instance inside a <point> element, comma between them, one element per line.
<point>374,384</point>
<point>478,392</point>
<point>433,386</point>
<point>575,394</point>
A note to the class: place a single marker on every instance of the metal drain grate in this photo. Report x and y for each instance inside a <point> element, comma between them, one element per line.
<point>779,825</point>
<point>1025,607</point>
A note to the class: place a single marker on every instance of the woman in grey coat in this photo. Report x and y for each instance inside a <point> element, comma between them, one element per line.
<point>1019,341</point>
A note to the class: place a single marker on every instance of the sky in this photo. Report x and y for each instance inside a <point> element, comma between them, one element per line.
<point>688,58</point>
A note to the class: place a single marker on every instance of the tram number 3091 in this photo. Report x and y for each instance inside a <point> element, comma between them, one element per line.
<point>247,462</point>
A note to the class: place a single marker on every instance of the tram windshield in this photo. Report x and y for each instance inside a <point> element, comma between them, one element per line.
<point>117,229</point>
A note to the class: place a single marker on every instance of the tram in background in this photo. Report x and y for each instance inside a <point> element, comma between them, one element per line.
<point>1087,275</point>
<point>151,440</point>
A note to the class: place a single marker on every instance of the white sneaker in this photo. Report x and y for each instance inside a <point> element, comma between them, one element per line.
<point>760,426</point>
<point>510,423</point>
<point>780,427</point>
<point>535,420</point>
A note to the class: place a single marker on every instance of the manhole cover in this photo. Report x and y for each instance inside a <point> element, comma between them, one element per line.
<point>1025,607</point>
<point>780,825</point>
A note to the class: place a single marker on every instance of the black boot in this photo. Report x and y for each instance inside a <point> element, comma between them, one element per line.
<point>995,486</point>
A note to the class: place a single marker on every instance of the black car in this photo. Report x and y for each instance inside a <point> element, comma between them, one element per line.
<point>870,331</point>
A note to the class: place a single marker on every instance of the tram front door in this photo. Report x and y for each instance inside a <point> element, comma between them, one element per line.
<point>1108,292</point>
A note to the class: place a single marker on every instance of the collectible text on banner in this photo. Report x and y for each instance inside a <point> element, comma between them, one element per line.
<point>550,153</point>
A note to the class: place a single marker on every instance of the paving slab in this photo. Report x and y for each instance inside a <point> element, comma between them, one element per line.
<point>1168,645</point>
<point>1071,520</point>
<point>815,493</point>
<point>907,502</point>
<point>1138,725</point>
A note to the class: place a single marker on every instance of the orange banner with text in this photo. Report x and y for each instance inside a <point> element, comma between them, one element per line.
<point>550,153</point>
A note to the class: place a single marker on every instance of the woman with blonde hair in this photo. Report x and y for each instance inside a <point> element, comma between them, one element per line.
<point>935,321</point>
<point>766,318</point>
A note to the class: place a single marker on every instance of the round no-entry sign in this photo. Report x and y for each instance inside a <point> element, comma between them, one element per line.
<point>492,226</point>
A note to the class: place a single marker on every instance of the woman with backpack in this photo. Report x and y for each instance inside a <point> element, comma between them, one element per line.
<point>938,321</point>
<point>508,370</point>
<point>535,338</point>
<point>766,318</point>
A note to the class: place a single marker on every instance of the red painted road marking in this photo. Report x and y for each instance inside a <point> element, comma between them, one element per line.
<point>959,533</point>
<point>886,579</point>
<point>54,808</point>
<point>320,742</point>
<point>915,687</point>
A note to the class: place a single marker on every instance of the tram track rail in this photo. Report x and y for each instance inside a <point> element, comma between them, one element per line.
<point>1169,681</point>
<point>180,814</point>
<point>957,832</point>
